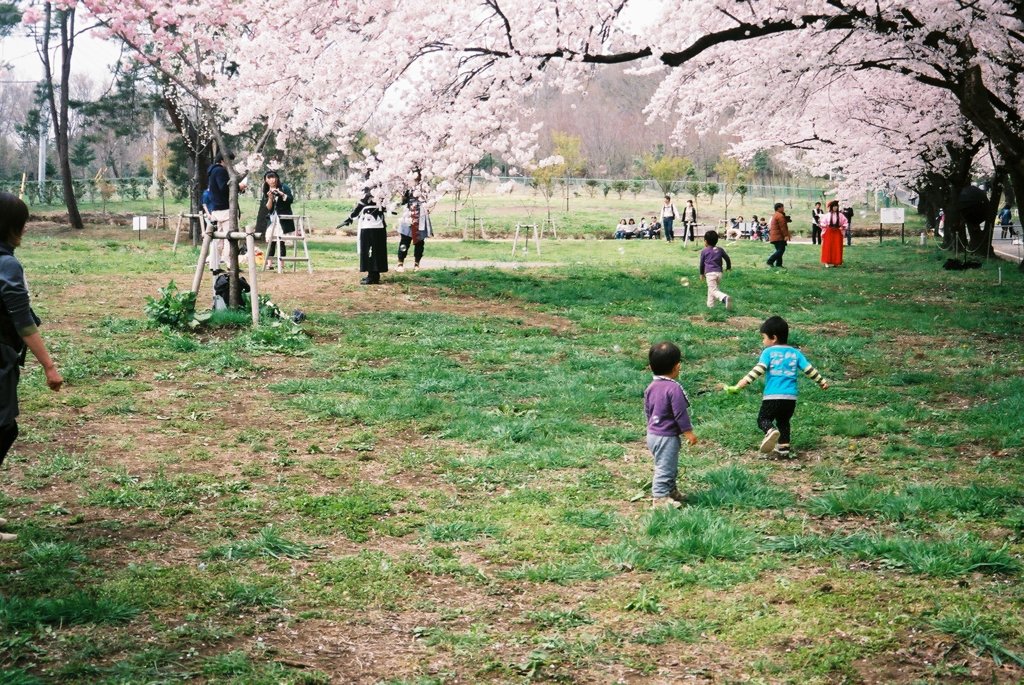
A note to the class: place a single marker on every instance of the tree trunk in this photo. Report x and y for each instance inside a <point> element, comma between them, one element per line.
<point>59,110</point>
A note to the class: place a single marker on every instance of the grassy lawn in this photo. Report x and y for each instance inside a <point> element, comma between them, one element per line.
<point>444,479</point>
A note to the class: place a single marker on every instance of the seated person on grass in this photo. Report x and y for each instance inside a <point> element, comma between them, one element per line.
<point>654,228</point>
<point>620,230</point>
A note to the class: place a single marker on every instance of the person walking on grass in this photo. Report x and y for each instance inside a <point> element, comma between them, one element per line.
<point>667,409</point>
<point>778,234</point>
<point>18,327</point>
<point>711,258</point>
<point>668,216</point>
<point>779,363</point>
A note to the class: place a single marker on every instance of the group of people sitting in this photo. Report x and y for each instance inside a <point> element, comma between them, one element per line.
<point>628,229</point>
<point>755,229</point>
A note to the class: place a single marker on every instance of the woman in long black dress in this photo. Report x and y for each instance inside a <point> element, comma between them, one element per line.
<point>371,239</point>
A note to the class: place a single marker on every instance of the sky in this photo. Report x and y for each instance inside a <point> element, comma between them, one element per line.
<point>92,56</point>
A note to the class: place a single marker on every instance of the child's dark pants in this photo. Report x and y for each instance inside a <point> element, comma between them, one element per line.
<point>776,414</point>
<point>403,248</point>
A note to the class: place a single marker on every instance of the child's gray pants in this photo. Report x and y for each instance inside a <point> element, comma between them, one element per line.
<point>665,449</point>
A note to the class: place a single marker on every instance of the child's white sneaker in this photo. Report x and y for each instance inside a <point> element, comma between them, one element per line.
<point>400,268</point>
<point>8,537</point>
<point>771,438</point>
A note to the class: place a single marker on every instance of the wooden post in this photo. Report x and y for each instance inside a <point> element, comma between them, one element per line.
<point>203,253</point>
<point>254,295</point>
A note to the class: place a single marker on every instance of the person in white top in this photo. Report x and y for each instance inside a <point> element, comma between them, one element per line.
<point>668,215</point>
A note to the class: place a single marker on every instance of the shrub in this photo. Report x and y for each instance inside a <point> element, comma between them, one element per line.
<point>172,309</point>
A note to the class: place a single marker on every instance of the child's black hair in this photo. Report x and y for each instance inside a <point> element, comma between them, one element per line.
<point>776,327</point>
<point>13,216</point>
<point>663,357</point>
<point>711,238</point>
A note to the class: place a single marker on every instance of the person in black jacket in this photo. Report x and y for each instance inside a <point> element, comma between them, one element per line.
<point>218,188</point>
<point>275,201</point>
<point>848,213</point>
<point>18,327</point>
<point>816,224</point>
<point>372,238</point>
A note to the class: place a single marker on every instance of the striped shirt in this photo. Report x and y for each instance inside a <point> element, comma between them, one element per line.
<point>780,363</point>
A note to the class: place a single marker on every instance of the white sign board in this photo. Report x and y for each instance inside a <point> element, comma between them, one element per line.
<point>139,223</point>
<point>892,215</point>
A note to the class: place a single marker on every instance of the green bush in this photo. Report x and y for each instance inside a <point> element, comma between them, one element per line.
<point>172,308</point>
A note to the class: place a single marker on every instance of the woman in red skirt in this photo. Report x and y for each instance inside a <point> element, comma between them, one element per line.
<point>833,228</point>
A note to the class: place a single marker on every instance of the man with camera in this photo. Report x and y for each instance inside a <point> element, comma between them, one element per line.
<point>778,234</point>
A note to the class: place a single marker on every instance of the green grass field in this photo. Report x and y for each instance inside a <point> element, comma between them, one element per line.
<point>444,479</point>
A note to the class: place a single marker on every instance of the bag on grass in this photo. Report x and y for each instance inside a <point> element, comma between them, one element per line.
<point>222,285</point>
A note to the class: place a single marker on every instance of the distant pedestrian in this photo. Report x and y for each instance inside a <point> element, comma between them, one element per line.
<point>689,220</point>
<point>778,234</point>
<point>848,213</point>
<point>1006,222</point>
<point>667,409</point>
<point>371,239</point>
<point>778,363</point>
<point>19,330</point>
<point>834,228</point>
<point>711,259</point>
<point>816,224</point>
<point>414,228</point>
<point>668,216</point>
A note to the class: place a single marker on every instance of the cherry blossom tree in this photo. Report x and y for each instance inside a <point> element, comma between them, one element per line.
<point>440,85</point>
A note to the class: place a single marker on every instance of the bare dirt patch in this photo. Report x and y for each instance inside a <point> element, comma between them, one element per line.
<point>339,292</point>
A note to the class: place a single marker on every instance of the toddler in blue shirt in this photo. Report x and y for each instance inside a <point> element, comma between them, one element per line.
<point>780,362</point>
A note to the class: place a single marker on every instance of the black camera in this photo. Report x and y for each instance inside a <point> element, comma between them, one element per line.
<point>789,219</point>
